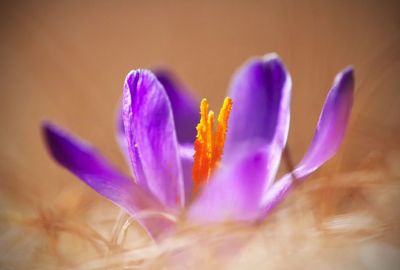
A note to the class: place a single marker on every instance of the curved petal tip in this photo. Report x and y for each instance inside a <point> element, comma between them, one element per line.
<point>273,56</point>
<point>345,79</point>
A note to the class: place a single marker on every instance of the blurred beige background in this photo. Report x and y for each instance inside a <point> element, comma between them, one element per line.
<point>66,61</point>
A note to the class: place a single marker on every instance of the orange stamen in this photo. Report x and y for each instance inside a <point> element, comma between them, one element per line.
<point>209,145</point>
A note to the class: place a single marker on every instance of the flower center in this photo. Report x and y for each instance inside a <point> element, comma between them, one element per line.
<point>209,143</point>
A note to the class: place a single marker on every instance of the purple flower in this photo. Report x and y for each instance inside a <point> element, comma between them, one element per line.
<point>173,169</point>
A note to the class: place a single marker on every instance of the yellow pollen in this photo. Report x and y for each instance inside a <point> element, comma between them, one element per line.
<point>209,143</point>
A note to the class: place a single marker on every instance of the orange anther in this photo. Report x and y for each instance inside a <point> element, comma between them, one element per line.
<point>209,144</point>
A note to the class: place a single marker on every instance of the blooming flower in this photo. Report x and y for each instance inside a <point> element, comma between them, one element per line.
<point>221,174</point>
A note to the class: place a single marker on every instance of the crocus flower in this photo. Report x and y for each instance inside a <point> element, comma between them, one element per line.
<point>224,173</point>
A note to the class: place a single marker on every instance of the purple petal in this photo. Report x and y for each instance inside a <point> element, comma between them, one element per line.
<point>331,126</point>
<point>234,193</point>
<point>152,142</point>
<point>330,131</point>
<point>86,163</point>
<point>184,107</point>
<point>186,152</point>
<point>260,115</point>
